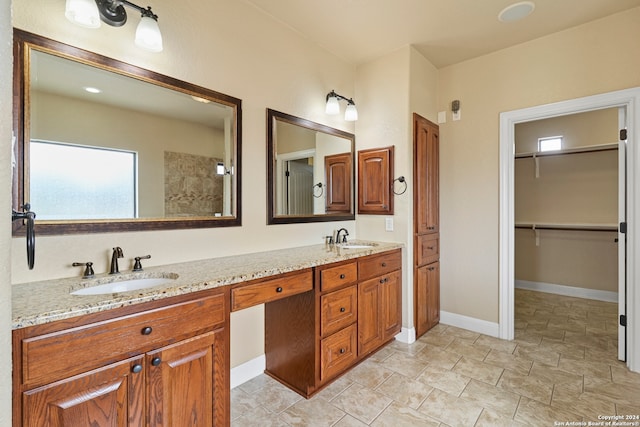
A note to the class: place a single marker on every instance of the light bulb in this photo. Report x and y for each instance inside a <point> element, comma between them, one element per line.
<point>83,12</point>
<point>148,35</point>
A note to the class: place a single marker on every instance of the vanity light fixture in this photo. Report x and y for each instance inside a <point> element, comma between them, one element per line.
<point>222,170</point>
<point>89,13</point>
<point>333,106</point>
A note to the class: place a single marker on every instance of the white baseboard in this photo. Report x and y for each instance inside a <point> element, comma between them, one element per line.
<point>470,323</point>
<point>570,291</point>
<point>407,335</point>
<point>248,370</point>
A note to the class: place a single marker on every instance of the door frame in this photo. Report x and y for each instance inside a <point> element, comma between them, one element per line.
<point>628,99</point>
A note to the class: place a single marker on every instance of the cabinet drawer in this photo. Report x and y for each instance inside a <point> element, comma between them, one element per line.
<point>338,352</point>
<point>335,277</point>
<point>72,351</point>
<point>428,246</point>
<point>339,309</point>
<point>376,265</point>
<point>271,289</point>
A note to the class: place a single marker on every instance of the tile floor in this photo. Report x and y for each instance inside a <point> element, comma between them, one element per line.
<point>561,368</point>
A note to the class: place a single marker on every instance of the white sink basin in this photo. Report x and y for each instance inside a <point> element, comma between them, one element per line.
<point>356,245</point>
<point>125,285</point>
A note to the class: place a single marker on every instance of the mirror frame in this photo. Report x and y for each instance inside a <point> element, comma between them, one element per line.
<point>24,42</point>
<point>272,218</point>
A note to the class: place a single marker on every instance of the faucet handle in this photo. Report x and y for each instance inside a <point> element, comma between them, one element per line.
<point>137,265</point>
<point>328,240</point>
<point>88,271</point>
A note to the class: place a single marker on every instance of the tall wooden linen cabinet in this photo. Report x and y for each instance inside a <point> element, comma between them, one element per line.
<point>426,225</point>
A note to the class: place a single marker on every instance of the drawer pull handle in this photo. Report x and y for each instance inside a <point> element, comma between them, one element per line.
<point>342,276</point>
<point>137,368</point>
<point>147,330</point>
<point>385,280</point>
<point>384,264</point>
<point>431,247</point>
<point>156,361</point>
<point>342,309</point>
<point>342,350</point>
<point>279,289</point>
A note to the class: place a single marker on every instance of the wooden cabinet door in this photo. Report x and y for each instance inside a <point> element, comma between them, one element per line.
<point>338,172</point>
<point>370,334</point>
<point>427,295</point>
<point>391,304</point>
<point>182,381</point>
<point>112,396</point>
<point>375,176</point>
<point>426,176</point>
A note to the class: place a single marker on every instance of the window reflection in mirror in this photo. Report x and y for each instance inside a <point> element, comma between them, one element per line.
<point>180,134</point>
<point>304,183</point>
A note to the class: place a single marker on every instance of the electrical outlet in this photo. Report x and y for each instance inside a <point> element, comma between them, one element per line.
<point>388,224</point>
<point>442,117</point>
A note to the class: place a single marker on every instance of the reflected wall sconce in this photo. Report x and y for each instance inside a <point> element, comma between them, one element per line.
<point>221,170</point>
<point>89,13</point>
<point>333,106</point>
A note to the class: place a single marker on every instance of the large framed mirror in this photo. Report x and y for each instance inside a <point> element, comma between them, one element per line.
<point>104,146</point>
<point>310,173</point>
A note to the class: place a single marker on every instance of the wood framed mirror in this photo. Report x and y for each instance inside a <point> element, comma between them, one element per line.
<point>310,173</point>
<point>105,146</point>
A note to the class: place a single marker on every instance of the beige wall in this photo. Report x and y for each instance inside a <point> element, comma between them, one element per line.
<point>5,223</point>
<point>293,76</point>
<point>577,62</point>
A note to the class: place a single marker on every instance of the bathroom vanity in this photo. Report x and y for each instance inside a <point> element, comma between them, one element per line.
<point>160,356</point>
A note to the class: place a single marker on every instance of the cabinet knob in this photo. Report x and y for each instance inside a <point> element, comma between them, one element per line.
<point>147,330</point>
<point>342,350</point>
<point>156,361</point>
<point>342,309</point>
<point>384,264</point>
<point>137,368</point>
<point>385,280</point>
<point>342,276</point>
<point>279,289</point>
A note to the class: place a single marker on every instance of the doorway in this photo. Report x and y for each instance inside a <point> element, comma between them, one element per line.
<point>626,100</point>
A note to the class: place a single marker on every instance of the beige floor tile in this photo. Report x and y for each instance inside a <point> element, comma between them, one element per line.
<point>400,416</point>
<point>496,344</point>
<point>468,349</point>
<point>623,410</point>
<point>241,403</point>
<point>369,374</point>
<point>349,421</point>
<point>315,412</point>
<point>621,375</point>
<point>361,403</point>
<point>259,417</point>
<point>568,350</point>
<point>512,362</point>
<point>275,397</point>
<point>436,356</point>
<point>594,341</point>
<point>451,410</point>
<point>588,405</point>
<point>536,354</point>
<point>405,364</point>
<point>623,394</point>
<point>534,413</point>
<point>527,386</point>
<point>257,383</point>
<point>437,339</point>
<point>586,367</point>
<point>404,390</point>
<point>479,370</point>
<point>401,347</point>
<point>501,401</point>
<point>334,389</point>
<point>489,418</point>
<point>443,379</point>
<point>461,333</point>
<point>553,375</point>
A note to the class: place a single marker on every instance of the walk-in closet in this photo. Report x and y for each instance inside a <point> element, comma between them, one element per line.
<point>567,190</point>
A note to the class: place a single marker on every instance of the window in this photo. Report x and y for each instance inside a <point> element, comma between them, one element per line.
<point>61,186</point>
<point>550,144</point>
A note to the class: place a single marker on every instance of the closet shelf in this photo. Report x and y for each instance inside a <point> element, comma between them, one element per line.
<point>566,226</point>
<point>576,150</point>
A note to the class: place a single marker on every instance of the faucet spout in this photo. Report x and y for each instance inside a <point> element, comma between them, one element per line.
<point>344,237</point>
<point>117,253</point>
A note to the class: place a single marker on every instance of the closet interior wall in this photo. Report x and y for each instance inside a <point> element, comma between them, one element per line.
<point>566,204</point>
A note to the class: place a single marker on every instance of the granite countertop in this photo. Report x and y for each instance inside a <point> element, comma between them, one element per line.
<point>46,301</point>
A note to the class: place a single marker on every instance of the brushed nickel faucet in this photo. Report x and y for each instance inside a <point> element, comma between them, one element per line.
<point>117,253</point>
<point>344,237</point>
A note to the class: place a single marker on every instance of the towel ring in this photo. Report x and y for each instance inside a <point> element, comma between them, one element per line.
<point>315,193</point>
<point>400,179</point>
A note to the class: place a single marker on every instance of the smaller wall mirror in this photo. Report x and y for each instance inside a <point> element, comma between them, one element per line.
<point>310,174</point>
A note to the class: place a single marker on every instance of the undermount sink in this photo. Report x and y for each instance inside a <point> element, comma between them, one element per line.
<point>356,245</point>
<point>125,285</point>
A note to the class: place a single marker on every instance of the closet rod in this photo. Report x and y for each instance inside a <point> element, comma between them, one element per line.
<point>585,149</point>
<point>569,227</point>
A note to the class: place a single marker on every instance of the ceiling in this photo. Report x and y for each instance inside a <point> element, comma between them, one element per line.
<point>444,31</point>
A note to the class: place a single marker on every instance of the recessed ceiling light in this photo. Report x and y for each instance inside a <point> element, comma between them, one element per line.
<point>516,11</point>
<point>92,89</point>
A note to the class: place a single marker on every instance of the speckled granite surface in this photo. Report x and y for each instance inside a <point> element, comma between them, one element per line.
<point>47,301</point>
